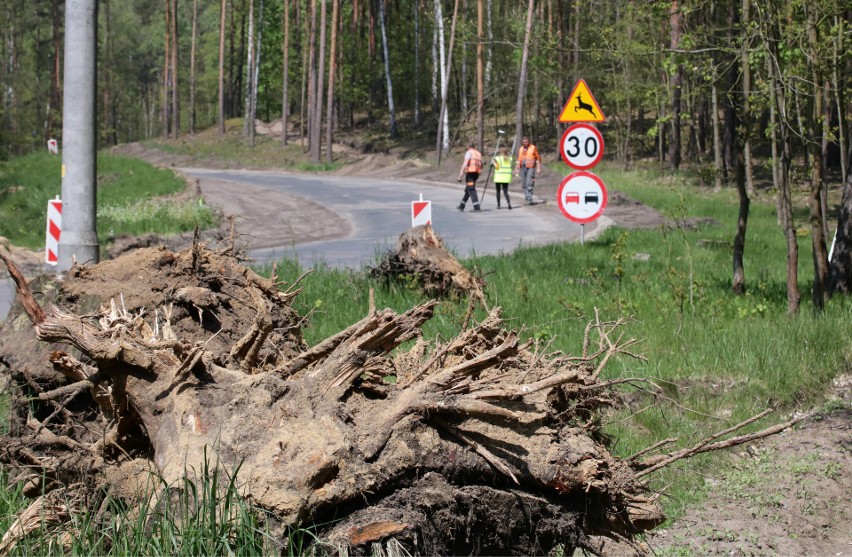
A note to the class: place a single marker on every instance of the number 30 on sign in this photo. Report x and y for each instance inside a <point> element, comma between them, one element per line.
<point>581,146</point>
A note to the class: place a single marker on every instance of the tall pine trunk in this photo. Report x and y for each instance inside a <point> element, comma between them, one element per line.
<point>734,110</point>
<point>746,115</point>
<point>175,88</point>
<point>522,80</point>
<point>316,122</point>
<point>391,110</point>
<point>221,113</point>
<point>480,79</point>
<point>164,96</point>
<point>443,143</point>
<point>817,217</point>
<point>247,123</point>
<point>676,32</point>
<point>418,116</point>
<point>331,69</point>
<point>192,67</point>
<point>285,87</point>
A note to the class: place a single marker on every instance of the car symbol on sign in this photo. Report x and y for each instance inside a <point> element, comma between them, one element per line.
<point>591,197</point>
<point>572,197</point>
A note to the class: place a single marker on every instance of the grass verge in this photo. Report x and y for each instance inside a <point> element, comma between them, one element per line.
<point>130,199</point>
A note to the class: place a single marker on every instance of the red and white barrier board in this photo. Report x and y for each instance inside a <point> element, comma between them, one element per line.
<point>421,212</point>
<point>54,227</point>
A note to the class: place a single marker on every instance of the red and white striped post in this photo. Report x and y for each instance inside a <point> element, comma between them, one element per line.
<point>54,227</point>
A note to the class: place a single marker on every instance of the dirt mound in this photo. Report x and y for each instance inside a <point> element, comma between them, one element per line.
<point>30,262</point>
<point>788,495</point>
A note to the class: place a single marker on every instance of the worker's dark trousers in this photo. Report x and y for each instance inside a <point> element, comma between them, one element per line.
<point>470,190</point>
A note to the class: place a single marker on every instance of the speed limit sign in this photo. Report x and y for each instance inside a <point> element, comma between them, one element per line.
<point>581,146</point>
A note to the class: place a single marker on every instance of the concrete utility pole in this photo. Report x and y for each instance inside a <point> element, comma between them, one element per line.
<point>79,239</point>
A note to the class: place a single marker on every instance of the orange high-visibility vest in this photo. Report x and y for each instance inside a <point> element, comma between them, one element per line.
<point>474,163</point>
<point>528,156</point>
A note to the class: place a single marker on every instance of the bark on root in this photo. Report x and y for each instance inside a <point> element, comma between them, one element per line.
<point>479,444</point>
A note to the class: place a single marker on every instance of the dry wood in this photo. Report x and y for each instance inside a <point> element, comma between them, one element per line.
<point>420,256</point>
<point>477,443</point>
<point>656,462</point>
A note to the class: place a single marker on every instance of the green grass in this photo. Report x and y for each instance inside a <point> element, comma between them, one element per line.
<point>127,199</point>
<point>205,514</point>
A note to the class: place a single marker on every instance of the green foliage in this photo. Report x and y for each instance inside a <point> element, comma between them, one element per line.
<point>127,192</point>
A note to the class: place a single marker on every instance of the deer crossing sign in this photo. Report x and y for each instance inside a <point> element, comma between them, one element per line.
<point>581,106</point>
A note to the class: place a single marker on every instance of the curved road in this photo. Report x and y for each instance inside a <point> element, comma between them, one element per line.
<point>362,217</point>
<point>372,213</point>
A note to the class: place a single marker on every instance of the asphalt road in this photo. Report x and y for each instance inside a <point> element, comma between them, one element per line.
<point>360,218</point>
<point>371,214</point>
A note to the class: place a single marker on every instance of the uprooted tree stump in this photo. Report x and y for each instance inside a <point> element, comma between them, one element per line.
<point>421,256</point>
<point>480,444</point>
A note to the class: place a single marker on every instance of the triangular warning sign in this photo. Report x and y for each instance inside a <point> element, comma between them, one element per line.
<point>581,106</point>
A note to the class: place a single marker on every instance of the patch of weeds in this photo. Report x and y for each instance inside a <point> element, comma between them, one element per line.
<point>319,167</point>
<point>805,466</point>
<point>833,470</point>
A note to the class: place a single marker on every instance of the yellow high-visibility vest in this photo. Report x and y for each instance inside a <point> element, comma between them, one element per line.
<point>502,169</point>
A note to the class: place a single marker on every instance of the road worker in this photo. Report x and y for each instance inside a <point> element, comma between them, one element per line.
<point>471,168</point>
<point>529,165</point>
<point>502,164</point>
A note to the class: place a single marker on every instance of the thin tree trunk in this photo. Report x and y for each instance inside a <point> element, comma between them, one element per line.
<point>738,283</point>
<point>312,81</point>
<point>746,80</point>
<point>248,123</point>
<point>392,112</point>
<point>331,69</point>
<point>285,87</point>
<point>718,161</point>
<point>522,79</point>
<point>315,105</point>
<point>437,61</point>
<point>780,113</point>
<point>820,255</point>
<point>164,97</point>
<point>56,76</point>
<point>108,122</point>
<point>676,32</point>
<point>735,104</point>
<point>490,57</point>
<point>444,140</point>
<point>418,116</point>
<point>480,78</point>
<point>192,68</point>
<point>221,116</point>
<point>175,88</point>
<point>840,96</point>
<point>308,78</point>
<point>773,138</point>
<point>256,75</point>
<point>463,63</point>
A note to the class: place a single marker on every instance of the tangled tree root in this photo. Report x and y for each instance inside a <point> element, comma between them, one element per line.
<point>420,256</point>
<point>480,444</point>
